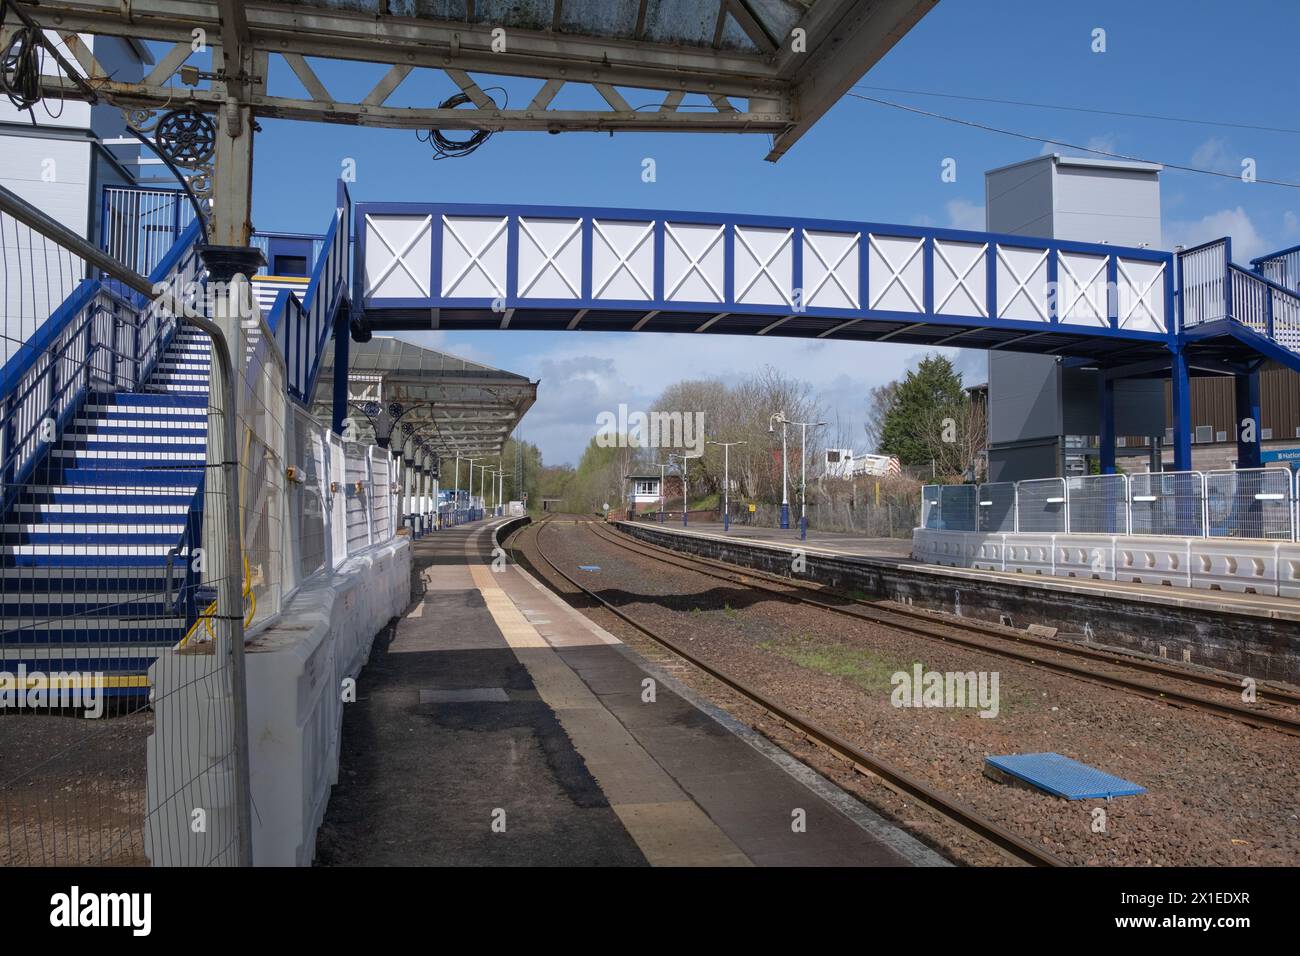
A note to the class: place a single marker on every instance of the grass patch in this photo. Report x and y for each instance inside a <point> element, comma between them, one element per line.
<point>866,668</point>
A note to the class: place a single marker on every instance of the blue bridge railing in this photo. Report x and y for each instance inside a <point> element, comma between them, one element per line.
<point>302,328</point>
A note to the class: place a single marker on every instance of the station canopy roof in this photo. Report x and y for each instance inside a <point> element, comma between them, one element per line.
<point>445,404</point>
<point>756,66</point>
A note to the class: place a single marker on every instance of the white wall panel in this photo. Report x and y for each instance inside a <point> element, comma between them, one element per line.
<point>1141,295</point>
<point>764,271</point>
<point>694,262</point>
<point>896,273</point>
<point>830,269</point>
<point>1022,284</point>
<point>474,256</point>
<point>1081,289</point>
<point>550,258</point>
<point>960,278</point>
<point>398,251</point>
<point>622,260</point>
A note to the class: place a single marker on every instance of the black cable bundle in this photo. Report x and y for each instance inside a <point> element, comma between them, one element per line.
<point>20,68</point>
<point>444,148</point>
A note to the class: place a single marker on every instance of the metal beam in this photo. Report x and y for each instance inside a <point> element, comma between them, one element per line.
<point>845,39</point>
<point>353,35</point>
<point>142,95</point>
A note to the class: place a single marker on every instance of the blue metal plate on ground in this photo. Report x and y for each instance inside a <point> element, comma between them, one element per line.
<point>589,567</point>
<point>1063,777</point>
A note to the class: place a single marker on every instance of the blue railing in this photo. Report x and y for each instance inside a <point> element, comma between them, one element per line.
<point>1282,267</point>
<point>104,337</point>
<point>139,225</point>
<point>1213,288</point>
<point>302,328</point>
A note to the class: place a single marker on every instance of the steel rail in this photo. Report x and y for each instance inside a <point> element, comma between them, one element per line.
<point>1274,695</point>
<point>864,611</point>
<point>865,763</point>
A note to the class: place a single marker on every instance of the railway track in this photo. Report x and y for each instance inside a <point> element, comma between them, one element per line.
<point>868,764</point>
<point>1006,643</point>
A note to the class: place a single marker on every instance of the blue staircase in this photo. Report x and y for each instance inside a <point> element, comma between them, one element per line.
<point>96,545</point>
<point>1239,315</point>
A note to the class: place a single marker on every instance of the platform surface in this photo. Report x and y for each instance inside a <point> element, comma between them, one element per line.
<point>829,542</point>
<point>897,551</point>
<point>500,726</point>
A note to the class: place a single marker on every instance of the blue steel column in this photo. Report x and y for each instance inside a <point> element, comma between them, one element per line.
<point>341,341</point>
<point>1181,395</point>
<point>1106,415</point>
<point>1248,409</point>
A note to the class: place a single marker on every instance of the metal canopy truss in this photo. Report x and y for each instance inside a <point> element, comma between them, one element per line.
<point>444,404</point>
<point>771,66</point>
<point>561,268</point>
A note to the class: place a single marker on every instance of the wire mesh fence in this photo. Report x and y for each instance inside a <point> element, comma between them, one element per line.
<point>1040,506</point>
<point>873,508</point>
<point>104,438</point>
<point>997,507</point>
<point>1167,503</point>
<point>1097,504</point>
<point>151,521</point>
<point>1250,503</point>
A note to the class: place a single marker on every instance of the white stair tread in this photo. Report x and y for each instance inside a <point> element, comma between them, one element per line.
<point>130,455</point>
<point>74,508</point>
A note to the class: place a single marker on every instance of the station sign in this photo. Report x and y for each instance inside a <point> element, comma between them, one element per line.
<point>1281,456</point>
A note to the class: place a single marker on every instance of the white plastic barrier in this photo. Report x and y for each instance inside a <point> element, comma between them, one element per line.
<point>1288,573</point>
<point>1085,556</point>
<point>1254,567</point>
<point>1242,566</point>
<point>1029,553</point>
<point>1154,559</point>
<point>295,670</point>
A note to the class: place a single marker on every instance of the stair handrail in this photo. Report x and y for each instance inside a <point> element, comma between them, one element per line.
<point>222,561</point>
<point>1212,287</point>
<point>1283,267</point>
<point>104,334</point>
<point>303,326</point>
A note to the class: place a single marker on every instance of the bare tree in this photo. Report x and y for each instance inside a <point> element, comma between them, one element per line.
<point>880,401</point>
<point>955,441</point>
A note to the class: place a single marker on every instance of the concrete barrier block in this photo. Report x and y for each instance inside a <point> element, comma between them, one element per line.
<point>295,669</point>
<point>1248,567</point>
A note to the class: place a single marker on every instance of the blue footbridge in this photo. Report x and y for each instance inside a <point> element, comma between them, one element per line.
<point>107,403</point>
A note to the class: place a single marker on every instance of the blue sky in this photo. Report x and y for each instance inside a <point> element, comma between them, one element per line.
<point>1218,62</point>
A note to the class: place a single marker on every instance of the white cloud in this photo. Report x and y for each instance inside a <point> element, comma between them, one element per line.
<point>964,214</point>
<point>1247,242</point>
<point>1215,154</point>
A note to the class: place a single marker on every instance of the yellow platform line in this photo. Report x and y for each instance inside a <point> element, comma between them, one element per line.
<point>71,682</point>
<point>668,826</point>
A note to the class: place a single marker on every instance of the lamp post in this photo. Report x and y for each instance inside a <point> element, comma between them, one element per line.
<point>785,459</point>
<point>501,481</point>
<point>471,461</point>
<point>482,483</point>
<point>662,479</point>
<point>726,479</point>
<point>803,472</point>
<point>455,497</point>
<point>684,459</point>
